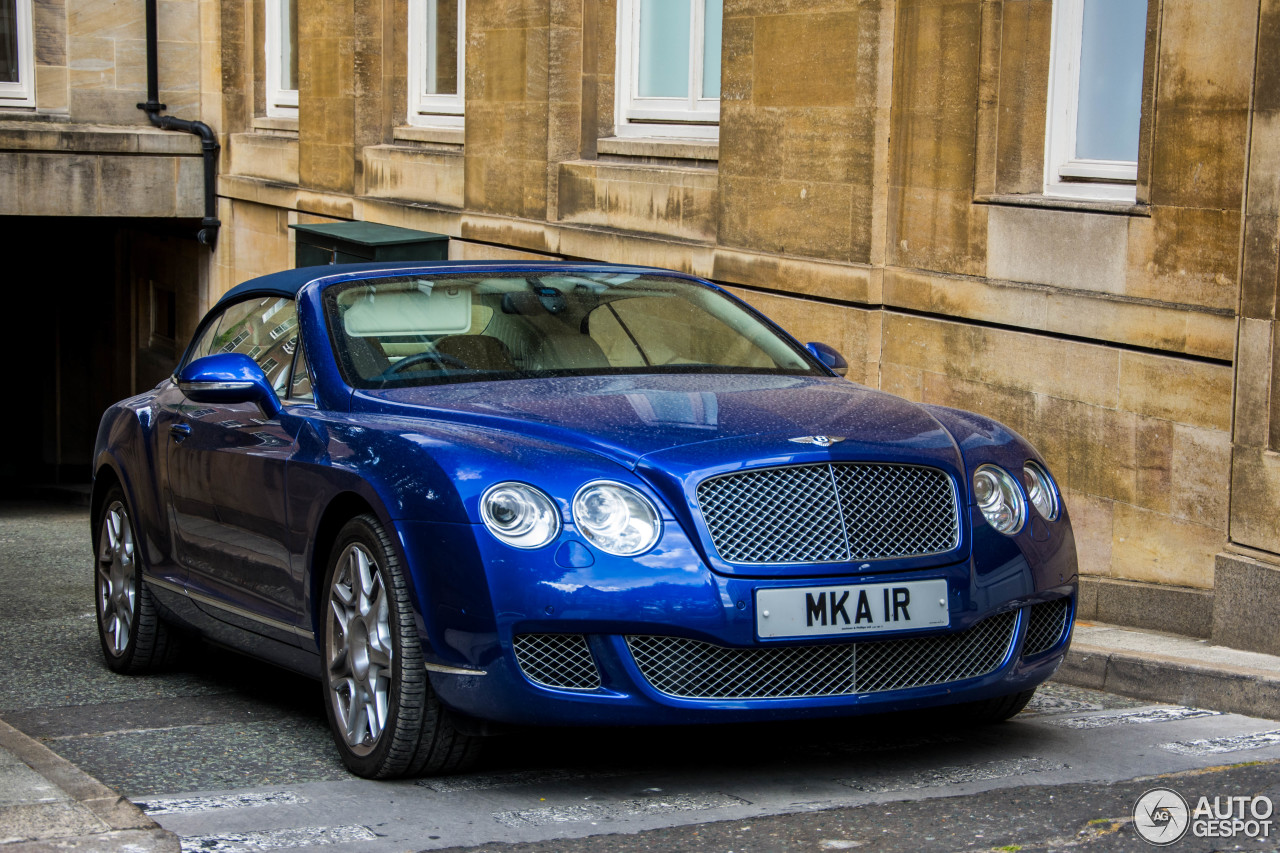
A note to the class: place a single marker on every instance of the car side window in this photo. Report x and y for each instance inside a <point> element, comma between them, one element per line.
<point>265,329</point>
<point>300,383</point>
<point>200,348</point>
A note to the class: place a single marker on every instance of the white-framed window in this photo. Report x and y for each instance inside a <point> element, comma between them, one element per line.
<point>1095,98</point>
<point>280,41</point>
<point>437,40</point>
<point>17,56</point>
<point>668,79</point>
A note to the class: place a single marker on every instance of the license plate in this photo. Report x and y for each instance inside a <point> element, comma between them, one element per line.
<point>823,611</point>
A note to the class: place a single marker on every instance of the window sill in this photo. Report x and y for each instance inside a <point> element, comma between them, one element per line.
<point>707,150</point>
<point>276,124</point>
<point>14,112</point>
<point>437,135</point>
<point>1083,205</point>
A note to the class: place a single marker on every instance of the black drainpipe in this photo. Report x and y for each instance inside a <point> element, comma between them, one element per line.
<point>208,233</point>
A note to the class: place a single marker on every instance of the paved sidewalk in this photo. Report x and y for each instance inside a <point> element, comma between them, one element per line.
<point>48,804</point>
<point>1170,668</point>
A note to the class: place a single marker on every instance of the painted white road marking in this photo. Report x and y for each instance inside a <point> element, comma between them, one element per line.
<point>275,839</point>
<point>941,776</point>
<point>230,801</point>
<point>1149,715</point>
<point>612,811</point>
<point>1233,743</point>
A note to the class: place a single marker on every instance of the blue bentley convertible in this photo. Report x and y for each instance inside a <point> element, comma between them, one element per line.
<point>471,494</point>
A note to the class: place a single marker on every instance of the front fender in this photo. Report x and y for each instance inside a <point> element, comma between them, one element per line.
<point>1046,547</point>
<point>418,475</point>
<point>125,445</point>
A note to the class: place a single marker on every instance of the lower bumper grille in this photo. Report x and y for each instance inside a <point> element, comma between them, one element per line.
<point>557,660</point>
<point>1046,625</point>
<point>691,669</point>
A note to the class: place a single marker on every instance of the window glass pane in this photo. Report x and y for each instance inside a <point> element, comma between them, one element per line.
<point>614,339</point>
<point>713,23</point>
<point>442,67</point>
<point>664,49</point>
<point>8,41</point>
<point>1112,44</point>
<point>263,329</point>
<point>204,345</point>
<point>414,331</point>
<point>668,332</point>
<point>300,384</point>
<point>289,44</point>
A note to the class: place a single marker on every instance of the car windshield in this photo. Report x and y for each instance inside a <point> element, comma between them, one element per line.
<point>421,330</point>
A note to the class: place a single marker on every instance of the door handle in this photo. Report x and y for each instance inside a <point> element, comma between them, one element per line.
<point>179,431</point>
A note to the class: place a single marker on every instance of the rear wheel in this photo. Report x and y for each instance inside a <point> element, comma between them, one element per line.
<point>133,637</point>
<point>385,718</point>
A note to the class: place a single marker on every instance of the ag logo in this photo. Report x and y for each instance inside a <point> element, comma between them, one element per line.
<point>1161,816</point>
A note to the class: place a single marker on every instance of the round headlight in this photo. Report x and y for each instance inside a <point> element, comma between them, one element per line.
<point>999,498</point>
<point>1041,491</point>
<point>616,518</point>
<point>519,515</point>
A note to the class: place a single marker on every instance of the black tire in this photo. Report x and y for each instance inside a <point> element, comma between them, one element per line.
<point>374,661</point>
<point>994,710</point>
<point>134,639</point>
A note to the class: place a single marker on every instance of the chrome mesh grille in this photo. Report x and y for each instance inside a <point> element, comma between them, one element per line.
<point>896,664</point>
<point>697,670</point>
<point>692,669</point>
<point>830,513</point>
<point>1045,625</point>
<point>557,660</point>
<point>896,510</point>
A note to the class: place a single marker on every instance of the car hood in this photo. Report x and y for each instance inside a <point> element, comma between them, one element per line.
<point>687,422</point>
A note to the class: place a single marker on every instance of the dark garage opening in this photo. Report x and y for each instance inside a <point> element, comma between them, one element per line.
<point>100,313</point>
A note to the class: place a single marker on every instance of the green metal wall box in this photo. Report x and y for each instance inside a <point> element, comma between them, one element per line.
<point>353,242</point>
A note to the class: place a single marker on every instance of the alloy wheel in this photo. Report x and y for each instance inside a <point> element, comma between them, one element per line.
<point>117,578</point>
<point>360,652</point>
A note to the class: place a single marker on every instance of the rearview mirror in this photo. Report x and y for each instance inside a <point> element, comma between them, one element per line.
<point>829,357</point>
<point>229,377</point>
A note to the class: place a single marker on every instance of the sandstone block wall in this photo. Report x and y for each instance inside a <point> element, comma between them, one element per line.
<point>876,183</point>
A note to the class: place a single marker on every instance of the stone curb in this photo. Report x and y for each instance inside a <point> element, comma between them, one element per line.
<point>128,827</point>
<point>1160,678</point>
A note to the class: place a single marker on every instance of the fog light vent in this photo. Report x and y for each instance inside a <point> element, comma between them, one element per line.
<point>1046,625</point>
<point>557,660</point>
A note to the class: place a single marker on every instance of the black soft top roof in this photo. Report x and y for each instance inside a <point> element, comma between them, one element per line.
<point>289,282</point>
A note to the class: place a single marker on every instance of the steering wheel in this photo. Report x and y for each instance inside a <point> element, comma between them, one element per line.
<point>439,360</point>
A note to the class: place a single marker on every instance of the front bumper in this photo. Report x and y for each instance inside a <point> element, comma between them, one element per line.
<point>626,695</point>
<point>473,617</point>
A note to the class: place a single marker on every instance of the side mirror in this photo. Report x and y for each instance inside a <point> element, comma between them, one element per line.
<point>229,377</point>
<point>829,357</point>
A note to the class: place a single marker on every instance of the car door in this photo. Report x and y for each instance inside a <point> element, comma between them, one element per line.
<point>226,472</point>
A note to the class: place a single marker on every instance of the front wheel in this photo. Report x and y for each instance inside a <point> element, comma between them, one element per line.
<point>385,718</point>
<point>133,637</point>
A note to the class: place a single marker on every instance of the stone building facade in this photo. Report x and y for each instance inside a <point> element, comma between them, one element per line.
<point>883,176</point>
